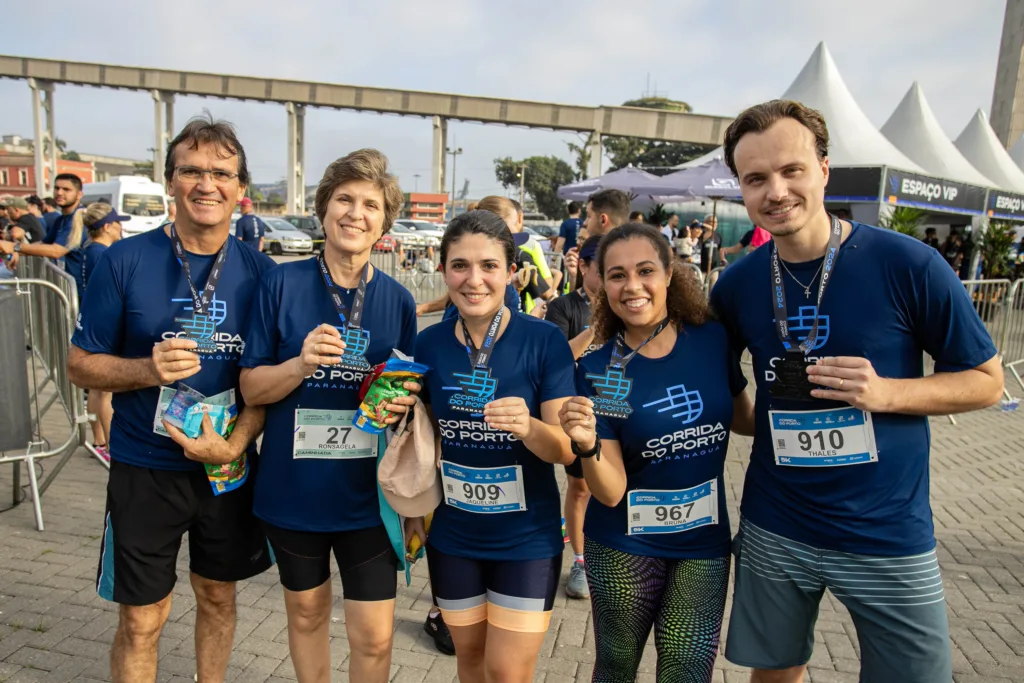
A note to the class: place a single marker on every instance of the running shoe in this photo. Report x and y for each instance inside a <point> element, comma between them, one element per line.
<point>104,453</point>
<point>576,586</point>
<point>438,630</point>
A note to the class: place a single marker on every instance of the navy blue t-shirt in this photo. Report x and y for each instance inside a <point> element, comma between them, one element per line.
<point>531,360</point>
<point>134,295</point>
<point>306,490</point>
<point>890,299</point>
<point>675,439</point>
<point>249,229</point>
<point>81,268</point>
<point>569,230</point>
<point>451,311</point>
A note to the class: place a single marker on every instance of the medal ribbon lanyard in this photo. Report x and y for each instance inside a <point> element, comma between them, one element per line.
<point>200,300</point>
<point>480,358</point>
<point>779,291</point>
<point>618,361</point>
<point>354,317</point>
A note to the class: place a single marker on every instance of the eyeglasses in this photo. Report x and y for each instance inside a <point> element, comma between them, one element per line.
<point>193,174</point>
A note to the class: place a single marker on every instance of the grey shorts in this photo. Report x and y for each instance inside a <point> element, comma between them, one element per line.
<point>897,604</point>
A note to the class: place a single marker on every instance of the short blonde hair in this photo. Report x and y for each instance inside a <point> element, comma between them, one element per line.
<point>94,213</point>
<point>363,164</point>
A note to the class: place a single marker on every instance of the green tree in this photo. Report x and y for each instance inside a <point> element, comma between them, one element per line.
<point>256,194</point>
<point>904,219</point>
<point>623,151</point>
<point>544,175</point>
<point>143,168</point>
<point>996,248</point>
<point>275,198</point>
<point>71,155</point>
<point>582,154</point>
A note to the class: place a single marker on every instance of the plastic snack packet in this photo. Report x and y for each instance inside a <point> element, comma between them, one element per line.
<point>223,413</point>
<point>382,384</point>
<point>184,398</point>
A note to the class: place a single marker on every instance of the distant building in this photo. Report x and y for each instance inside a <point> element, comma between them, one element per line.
<point>425,206</point>
<point>18,173</point>
<point>104,166</point>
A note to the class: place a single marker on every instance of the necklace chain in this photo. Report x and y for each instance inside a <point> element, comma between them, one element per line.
<point>807,287</point>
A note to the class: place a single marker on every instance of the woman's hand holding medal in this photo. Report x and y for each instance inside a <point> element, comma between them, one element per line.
<point>578,421</point>
<point>322,346</point>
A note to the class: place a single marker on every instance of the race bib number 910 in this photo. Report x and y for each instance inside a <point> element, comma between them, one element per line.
<point>823,438</point>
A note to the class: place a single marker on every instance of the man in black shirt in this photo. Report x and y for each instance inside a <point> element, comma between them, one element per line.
<point>571,313</point>
<point>930,239</point>
<point>24,226</point>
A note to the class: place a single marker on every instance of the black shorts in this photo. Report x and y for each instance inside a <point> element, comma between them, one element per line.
<point>575,468</point>
<point>365,557</point>
<point>148,512</point>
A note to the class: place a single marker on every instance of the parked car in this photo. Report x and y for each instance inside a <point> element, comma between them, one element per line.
<point>423,228</point>
<point>544,242</point>
<point>386,243</point>
<point>307,224</point>
<point>413,239</point>
<point>548,231</point>
<point>281,237</point>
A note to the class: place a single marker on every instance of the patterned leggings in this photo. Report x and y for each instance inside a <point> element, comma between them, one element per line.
<point>682,599</point>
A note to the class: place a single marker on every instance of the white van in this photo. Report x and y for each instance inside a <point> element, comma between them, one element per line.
<point>137,196</point>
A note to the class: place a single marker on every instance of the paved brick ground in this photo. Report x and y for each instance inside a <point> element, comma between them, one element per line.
<point>53,626</point>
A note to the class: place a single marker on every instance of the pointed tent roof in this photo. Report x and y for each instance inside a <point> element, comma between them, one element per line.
<point>1017,152</point>
<point>979,144</point>
<point>916,132</point>
<point>854,139</point>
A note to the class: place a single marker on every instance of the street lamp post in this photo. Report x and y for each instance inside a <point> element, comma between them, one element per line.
<point>522,184</point>
<point>455,154</point>
<point>416,182</point>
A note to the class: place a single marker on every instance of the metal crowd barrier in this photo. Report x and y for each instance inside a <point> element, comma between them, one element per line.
<point>1011,342</point>
<point>50,301</point>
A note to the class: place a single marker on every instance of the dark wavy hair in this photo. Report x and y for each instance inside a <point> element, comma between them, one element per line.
<point>479,222</point>
<point>685,298</point>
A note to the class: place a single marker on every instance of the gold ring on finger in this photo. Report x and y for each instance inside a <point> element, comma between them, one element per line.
<point>841,380</point>
<point>514,418</point>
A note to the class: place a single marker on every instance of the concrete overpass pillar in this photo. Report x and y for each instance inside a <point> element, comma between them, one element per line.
<point>596,155</point>
<point>439,158</point>
<point>45,138</point>
<point>295,181</point>
<point>163,127</point>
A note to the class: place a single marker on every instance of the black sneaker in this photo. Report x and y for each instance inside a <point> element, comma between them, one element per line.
<point>437,630</point>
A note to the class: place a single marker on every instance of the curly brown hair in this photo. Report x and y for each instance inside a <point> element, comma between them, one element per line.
<point>685,298</point>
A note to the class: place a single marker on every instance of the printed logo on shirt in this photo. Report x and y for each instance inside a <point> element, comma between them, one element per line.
<point>474,434</point>
<point>687,404</point>
<point>698,440</point>
<point>799,327</point>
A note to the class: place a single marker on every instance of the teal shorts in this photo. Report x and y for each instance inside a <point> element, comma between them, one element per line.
<point>897,604</point>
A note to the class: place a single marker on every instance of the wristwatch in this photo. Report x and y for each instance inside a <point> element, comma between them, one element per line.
<point>594,452</point>
<point>17,246</point>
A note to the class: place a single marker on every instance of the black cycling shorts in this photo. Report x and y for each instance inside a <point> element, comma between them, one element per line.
<point>365,557</point>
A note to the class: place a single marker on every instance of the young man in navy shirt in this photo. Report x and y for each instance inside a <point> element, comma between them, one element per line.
<point>836,316</point>
<point>249,228</point>
<point>569,231</point>
<point>165,308</point>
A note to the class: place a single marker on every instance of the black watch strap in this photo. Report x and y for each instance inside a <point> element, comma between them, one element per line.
<point>594,452</point>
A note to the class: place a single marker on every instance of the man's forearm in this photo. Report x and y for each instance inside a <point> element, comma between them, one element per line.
<point>45,250</point>
<point>248,426</point>
<point>434,306</point>
<point>945,393</point>
<point>103,372</point>
<point>580,342</point>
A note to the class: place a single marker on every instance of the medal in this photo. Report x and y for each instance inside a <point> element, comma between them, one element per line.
<point>201,327</point>
<point>356,339</point>
<point>613,387</point>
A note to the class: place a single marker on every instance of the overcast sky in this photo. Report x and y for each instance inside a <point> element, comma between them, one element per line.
<point>718,55</point>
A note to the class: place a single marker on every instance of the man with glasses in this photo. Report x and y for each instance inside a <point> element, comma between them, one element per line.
<point>163,310</point>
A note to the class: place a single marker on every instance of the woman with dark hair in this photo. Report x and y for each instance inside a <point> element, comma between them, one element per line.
<point>498,380</point>
<point>651,428</point>
<point>317,328</point>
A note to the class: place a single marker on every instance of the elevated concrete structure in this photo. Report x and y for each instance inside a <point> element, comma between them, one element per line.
<point>296,95</point>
